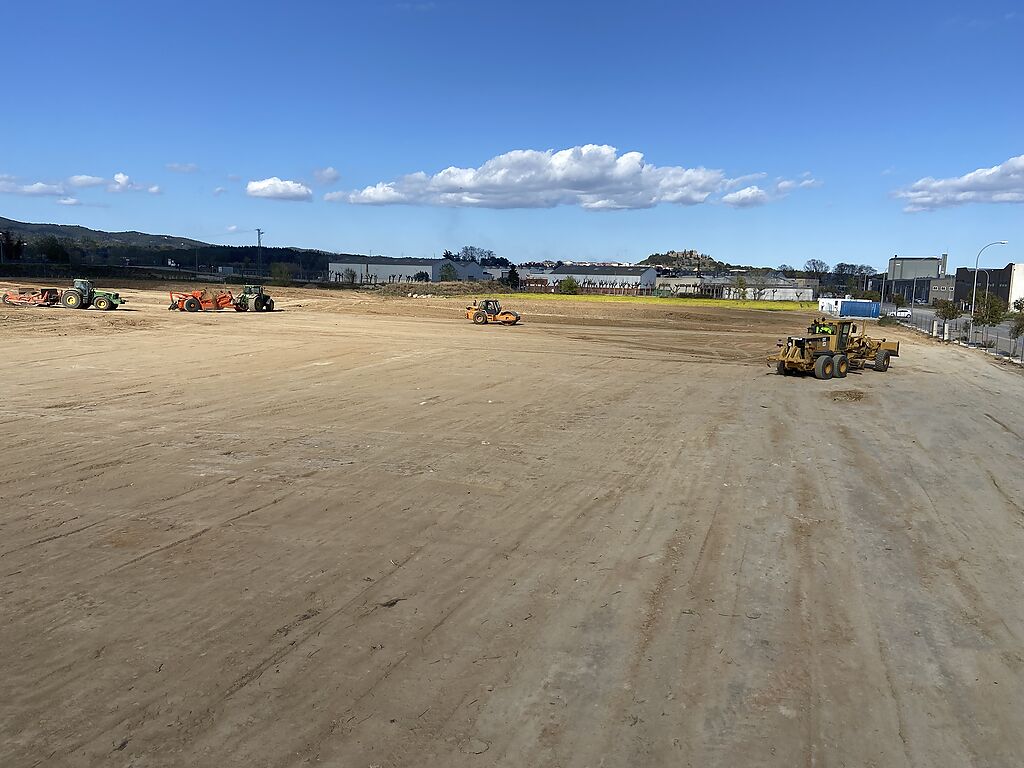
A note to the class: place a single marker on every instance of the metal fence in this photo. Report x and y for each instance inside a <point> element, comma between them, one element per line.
<point>995,341</point>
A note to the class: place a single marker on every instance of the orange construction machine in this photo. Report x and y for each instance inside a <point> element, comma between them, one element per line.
<point>203,300</point>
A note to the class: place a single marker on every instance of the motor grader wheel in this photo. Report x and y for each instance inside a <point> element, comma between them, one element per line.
<point>841,365</point>
<point>882,360</point>
<point>824,368</point>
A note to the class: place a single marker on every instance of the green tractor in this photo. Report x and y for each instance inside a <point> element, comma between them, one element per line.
<point>255,298</point>
<point>84,295</point>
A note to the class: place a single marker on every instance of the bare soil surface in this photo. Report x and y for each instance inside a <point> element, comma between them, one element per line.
<point>364,532</point>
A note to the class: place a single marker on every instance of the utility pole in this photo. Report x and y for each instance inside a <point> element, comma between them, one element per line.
<point>259,252</point>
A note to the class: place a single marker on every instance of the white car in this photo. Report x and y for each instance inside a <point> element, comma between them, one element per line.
<point>900,314</point>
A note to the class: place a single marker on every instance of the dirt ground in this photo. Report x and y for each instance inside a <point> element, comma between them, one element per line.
<point>360,533</point>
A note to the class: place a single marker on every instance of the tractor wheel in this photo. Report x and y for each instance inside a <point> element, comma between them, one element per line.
<point>780,368</point>
<point>842,366</point>
<point>882,360</point>
<point>268,306</point>
<point>102,303</point>
<point>257,304</point>
<point>192,304</point>
<point>479,318</point>
<point>824,368</point>
<point>72,299</point>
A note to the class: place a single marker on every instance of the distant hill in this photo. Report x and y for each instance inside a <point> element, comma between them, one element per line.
<point>74,245</point>
<point>32,232</point>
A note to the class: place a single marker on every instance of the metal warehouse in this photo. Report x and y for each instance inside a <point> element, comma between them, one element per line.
<point>384,269</point>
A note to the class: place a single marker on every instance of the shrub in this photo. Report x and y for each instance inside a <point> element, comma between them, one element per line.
<point>569,286</point>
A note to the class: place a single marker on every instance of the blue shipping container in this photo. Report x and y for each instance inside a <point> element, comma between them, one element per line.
<point>860,309</point>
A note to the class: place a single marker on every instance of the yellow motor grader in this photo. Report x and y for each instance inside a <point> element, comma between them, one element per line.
<point>831,348</point>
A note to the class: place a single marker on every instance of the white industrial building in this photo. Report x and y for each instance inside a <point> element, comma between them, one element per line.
<point>350,268</point>
<point>756,287</point>
<point>603,276</point>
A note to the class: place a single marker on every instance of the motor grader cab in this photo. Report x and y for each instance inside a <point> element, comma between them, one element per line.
<point>490,311</point>
<point>830,349</point>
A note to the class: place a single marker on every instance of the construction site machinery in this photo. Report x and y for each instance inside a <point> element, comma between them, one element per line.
<point>490,311</point>
<point>27,297</point>
<point>202,300</point>
<point>84,295</point>
<point>830,349</point>
<point>81,296</point>
<point>255,298</point>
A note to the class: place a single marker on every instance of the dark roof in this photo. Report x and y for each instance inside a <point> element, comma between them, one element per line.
<point>568,269</point>
<point>348,258</point>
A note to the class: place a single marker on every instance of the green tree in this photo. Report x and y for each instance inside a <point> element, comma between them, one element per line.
<point>947,310</point>
<point>816,267</point>
<point>513,277</point>
<point>1017,321</point>
<point>989,310</point>
<point>12,247</point>
<point>569,286</point>
<point>52,249</point>
<point>421,277</point>
<point>448,273</point>
<point>898,300</point>
<point>282,270</point>
<point>739,287</point>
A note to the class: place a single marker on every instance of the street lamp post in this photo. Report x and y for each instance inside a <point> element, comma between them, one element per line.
<point>974,292</point>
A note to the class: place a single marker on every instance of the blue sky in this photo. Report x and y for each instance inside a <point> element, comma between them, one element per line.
<point>769,132</point>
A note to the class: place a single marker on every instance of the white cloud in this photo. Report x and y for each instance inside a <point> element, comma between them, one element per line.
<point>741,181</point>
<point>326,175</point>
<point>83,180</point>
<point>182,167</point>
<point>595,177</point>
<point>153,190</point>
<point>122,183</point>
<point>69,201</point>
<point>232,228</point>
<point>748,197</point>
<point>1003,183</point>
<point>10,185</point>
<point>278,189</point>
<point>219,191</point>
<point>785,186</point>
<point>39,189</point>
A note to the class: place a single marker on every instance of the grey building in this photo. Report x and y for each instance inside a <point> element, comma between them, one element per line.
<point>911,277</point>
<point>350,268</point>
<point>910,267</point>
<point>605,276</point>
<point>941,288</point>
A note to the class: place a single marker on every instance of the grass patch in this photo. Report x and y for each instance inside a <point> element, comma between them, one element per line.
<point>682,301</point>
